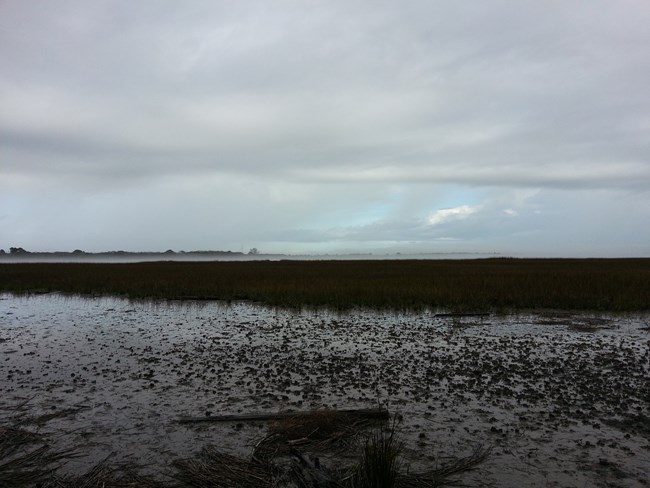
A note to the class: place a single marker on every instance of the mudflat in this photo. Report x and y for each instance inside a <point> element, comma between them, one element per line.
<point>562,398</point>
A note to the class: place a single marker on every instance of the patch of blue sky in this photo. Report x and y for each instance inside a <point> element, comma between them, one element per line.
<point>457,196</point>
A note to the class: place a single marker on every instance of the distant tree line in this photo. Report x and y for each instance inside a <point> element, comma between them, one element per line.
<point>14,250</point>
<point>18,251</point>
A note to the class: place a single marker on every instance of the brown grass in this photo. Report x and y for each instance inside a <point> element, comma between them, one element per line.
<point>213,468</point>
<point>462,285</point>
<point>322,430</point>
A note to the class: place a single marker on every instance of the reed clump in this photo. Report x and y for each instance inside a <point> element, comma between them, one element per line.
<point>382,464</point>
<point>462,285</point>
<point>380,461</point>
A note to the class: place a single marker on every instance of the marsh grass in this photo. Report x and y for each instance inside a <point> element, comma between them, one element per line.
<point>325,428</point>
<point>459,285</point>
<point>319,431</point>
<point>44,418</point>
<point>25,458</point>
<point>446,474</point>
<point>214,468</point>
<point>382,464</point>
<point>27,461</point>
<point>380,460</point>
<point>376,462</point>
<point>103,475</point>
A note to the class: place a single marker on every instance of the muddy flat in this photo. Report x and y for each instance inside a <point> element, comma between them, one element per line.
<point>562,398</point>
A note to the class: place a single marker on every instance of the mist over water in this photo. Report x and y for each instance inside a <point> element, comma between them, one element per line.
<point>189,257</point>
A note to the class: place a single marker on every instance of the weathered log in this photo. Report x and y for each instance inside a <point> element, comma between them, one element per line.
<point>442,315</point>
<point>364,413</point>
<point>197,298</point>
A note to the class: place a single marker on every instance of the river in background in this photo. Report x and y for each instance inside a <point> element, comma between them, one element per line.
<point>563,399</point>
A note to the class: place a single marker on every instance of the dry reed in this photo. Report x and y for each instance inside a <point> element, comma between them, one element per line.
<point>22,461</point>
<point>484,284</point>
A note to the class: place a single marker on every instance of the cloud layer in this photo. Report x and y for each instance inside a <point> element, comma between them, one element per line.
<point>311,126</point>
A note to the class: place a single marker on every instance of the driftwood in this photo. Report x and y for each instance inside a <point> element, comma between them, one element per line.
<point>462,315</point>
<point>197,298</point>
<point>363,413</point>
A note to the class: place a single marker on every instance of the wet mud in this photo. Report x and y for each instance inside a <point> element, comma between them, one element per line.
<point>562,398</point>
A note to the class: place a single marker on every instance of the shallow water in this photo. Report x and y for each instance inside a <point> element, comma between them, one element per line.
<point>564,399</point>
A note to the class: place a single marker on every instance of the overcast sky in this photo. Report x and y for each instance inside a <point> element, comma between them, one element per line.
<point>519,127</point>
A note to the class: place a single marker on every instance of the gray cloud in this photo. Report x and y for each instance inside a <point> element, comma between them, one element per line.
<point>382,111</point>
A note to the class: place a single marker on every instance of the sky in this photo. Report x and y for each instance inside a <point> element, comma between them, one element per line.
<point>514,127</point>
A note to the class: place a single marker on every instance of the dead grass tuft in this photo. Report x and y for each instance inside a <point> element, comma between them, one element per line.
<point>104,476</point>
<point>213,468</point>
<point>320,430</point>
<point>446,474</point>
<point>22,461</point>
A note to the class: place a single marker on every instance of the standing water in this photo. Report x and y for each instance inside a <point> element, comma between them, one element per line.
<point>563,399</point>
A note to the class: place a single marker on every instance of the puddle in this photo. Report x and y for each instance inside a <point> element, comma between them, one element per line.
<point>564,399</point>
